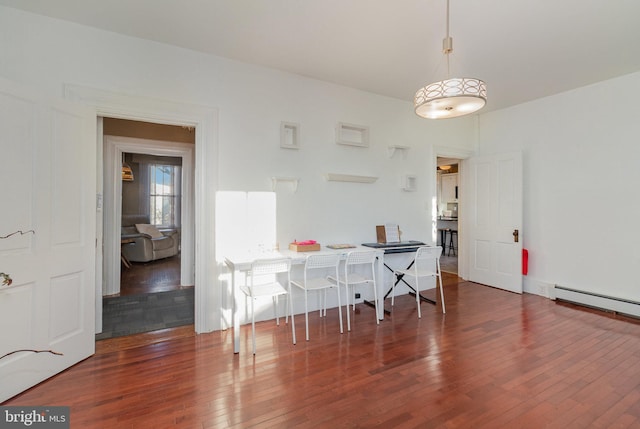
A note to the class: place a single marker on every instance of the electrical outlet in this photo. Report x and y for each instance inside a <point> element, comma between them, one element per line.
<point>357,295</point>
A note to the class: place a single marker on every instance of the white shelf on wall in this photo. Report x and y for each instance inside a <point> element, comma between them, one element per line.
<point>409,182</point>
<point>394,148</point>
<point>279,179</point>
<point>352,135</point>
<point>335,177</point>
<point>289,135</point>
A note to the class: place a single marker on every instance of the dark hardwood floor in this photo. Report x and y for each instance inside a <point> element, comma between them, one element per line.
<point>162,275</point>
<point>495,360</point>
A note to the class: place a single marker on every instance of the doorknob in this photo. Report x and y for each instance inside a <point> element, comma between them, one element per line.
<point>516,233</point>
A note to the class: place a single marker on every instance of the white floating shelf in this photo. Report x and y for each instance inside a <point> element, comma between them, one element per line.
<point>293,180</point>
<point>335,177</point>
<point>392,149</point>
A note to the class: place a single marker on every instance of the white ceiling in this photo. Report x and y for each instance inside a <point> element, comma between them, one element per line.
<point>522,49</point>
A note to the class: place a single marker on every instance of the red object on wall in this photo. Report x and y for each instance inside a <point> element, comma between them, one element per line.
<point>525,261</point>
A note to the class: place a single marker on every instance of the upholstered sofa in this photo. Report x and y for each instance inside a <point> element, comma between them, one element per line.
<point>142,242</point>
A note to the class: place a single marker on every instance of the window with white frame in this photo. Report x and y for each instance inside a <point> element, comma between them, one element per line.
<point>164,194</point>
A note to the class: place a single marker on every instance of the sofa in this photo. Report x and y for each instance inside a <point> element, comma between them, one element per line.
<point>142,242</point>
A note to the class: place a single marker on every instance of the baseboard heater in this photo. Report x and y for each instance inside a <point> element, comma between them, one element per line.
<point>594,300</point>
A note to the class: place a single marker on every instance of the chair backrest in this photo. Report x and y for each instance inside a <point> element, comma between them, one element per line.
<point>357,257</point>
<point>364,258</point>
<point>322,260</point>
<point>426,254</point>
<point>266,267</point>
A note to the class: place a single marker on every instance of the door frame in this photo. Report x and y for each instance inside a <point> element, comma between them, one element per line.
<point>114,147</point>
<point>460,154</point>
<point>208,315</point>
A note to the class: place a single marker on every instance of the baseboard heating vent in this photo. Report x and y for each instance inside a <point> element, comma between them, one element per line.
<point>594,300</point>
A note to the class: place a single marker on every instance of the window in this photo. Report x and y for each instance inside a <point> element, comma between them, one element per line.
<point>164,194</point>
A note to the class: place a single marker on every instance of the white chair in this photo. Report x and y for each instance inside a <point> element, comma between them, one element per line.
<point>425,264</point>
<point>261,282</point>
<point>367,275</point>
<point>315,278</point>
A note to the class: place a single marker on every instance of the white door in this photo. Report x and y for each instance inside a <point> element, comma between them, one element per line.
<point>48,186</point>
<point>495,220</point>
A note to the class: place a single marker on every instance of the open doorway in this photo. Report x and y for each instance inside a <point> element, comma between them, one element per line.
<point>151,223</point>
<point>448,191</point>
<point>152,181</point>
<point>210,310</point>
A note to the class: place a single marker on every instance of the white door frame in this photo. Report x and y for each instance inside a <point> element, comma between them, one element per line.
<point>99,225</point>
<point>115,146</point>
<point>447,152</point>
<point>208,297</point>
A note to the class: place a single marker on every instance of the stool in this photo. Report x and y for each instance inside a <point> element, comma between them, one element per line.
<point>452,233</point>
<point>443,239</point>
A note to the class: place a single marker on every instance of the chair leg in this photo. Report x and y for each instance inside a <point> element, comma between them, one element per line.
<point>451,244</point>
<point>418,297</point>
<point>286,305</point>
<point>375,300</point>
<point>441,288</point>
<point>340,310</point>
<point>293,322</point>
<point>325,304</point>
<point>346,288</point>
<point>353,304</point>
<point>306,314</point>
<point>253,325</point>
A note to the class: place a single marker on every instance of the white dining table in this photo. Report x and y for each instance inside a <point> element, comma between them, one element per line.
<point>242,263</point>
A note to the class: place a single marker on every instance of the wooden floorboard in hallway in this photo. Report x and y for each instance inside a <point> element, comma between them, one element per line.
<point>162,275</point>
<point>495,360</point>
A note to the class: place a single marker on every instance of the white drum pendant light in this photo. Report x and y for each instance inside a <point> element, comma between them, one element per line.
<point>453,97</point>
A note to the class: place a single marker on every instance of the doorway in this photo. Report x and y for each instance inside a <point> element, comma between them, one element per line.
<point>151,202</point>
<point>447,201</point>
<point>210,313</point>
<point>148,292</point>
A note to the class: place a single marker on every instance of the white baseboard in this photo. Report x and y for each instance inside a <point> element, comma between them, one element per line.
<point>537,287</point>
<point>618,305</point>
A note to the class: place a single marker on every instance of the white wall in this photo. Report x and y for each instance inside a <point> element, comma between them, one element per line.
<point>252,101</point>
<point>581,174</point>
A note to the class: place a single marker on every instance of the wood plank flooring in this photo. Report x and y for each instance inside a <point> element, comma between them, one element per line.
<point>162,275</point>
<point>495,360</point>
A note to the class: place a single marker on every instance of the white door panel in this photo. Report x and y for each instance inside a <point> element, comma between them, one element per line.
<point>47,185</point>
<point>16,118</point>
<point>495,191</point>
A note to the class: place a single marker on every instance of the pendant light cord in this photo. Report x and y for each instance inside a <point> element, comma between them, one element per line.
<point>447,19</point>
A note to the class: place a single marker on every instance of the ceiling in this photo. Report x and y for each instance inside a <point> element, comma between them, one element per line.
<point>522,49</point>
